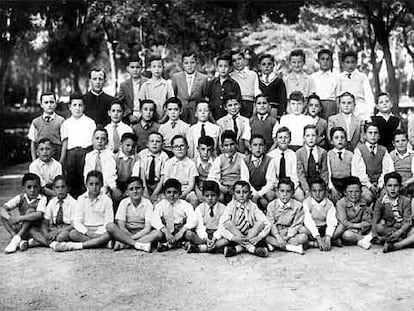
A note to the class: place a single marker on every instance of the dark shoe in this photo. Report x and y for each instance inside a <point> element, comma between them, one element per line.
<point>376,240</point>
<point>229,251</point>
<point>261,252</point>
<point>162,247</point>
<point>388,247</point>
<point>192,248</point>
<point>337,243</point>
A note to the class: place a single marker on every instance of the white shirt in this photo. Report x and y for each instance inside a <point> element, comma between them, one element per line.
<point>204,219</point>
<point>243,126</point>
<point>108,166</point>
<point>174,214</point>
<point>248,82</point>
<point>291,164</point>
<point>190,82</point>
<point>326,84</point>
<point>122,129</point>
<point>69,206</point>
<point>215,170</point>
<point>78,132</point>
<point>146,158</point>
<point>135,217</point>
<point>295,123</point>
<point>184,171</point>
<point>47,171</point>
<point>32,135</point>
<point>309,222</point>
<point>314,152</point>
<point>14,202</point>
<point>347,118</point>
<point>194,133</point>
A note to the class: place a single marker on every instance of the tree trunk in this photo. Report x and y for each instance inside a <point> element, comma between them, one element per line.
<point>111,55</point>
<point>393,88</point>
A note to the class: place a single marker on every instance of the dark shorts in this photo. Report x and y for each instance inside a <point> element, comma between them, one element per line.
<point>329,108</point>
<point>246,109</point>
<point>210,233</point>
<point>75,161</point>
<point>339,184</point>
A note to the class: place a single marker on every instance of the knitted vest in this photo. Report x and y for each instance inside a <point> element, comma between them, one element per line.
<point>340,168</point>
<point>263,128</point>
<point>203,171</point>
<point>124,168</point>
<point>257,174</point>
<point>49,129</point>
<point>23,205</point>
<point>386,130</point>
<point>402,166</point>
<point>373,163</point>
<point>319,215</point>
<point>230,172</point>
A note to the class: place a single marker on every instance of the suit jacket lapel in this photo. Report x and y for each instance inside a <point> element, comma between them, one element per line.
<point>353,125</point>
<point>184,83</point>
<point>130,89</point>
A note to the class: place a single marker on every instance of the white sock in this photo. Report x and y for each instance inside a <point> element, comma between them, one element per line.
<point>53,244</point>
<point>76,245</point>
<point>239,248</point>
<point>294,248</point>
<point>143,246</point>
<point>202,248</point>
<point>16,239</point>
<point>250,248</point>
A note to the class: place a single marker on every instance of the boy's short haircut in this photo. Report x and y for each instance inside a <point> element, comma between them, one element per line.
<point>174,100</point>
<point>283,129</point>
<point>147,101</point>
<point>100,129</point>
<point>172,183</point>
<point>44,140</point>
<point>400,132</point>
<point>392,175</point>
<point>228,134</point>
<point>135,59</point>
<point>96,69</point>
<point>75,96</point>
<point>211,185</point>
<point>153,58</point>
<point>237,52</point>
<point>286,181</point>
<point>260,96</point>
<point>116,101</point>
<point>49,93</point>
<point>132,179</point>
<point>353,180</point>
<point>368,124</point>
<point>318,181</point>
<point>29,177</point>
<point>202,101</point>
<point>156,133</point>
<point>347,94</point>
<point>225,56</point>
<point>230,96</point>
<point>131,136</point>
<point>381,94</point>
<point>310,127</point>
<point>257,136</point>
<point>242,183</point>
<point>189,54</point>
<point>58,178</point>
<point>349,54</point>
<point>336,129</point>
<point>325,51</point>
<point>96,174</point>
<point>179,137</point>
<point>263,56</point>
<point>314,96</point>
<point>298,52</point>
<point>297,95</point>
<point>206,140</point>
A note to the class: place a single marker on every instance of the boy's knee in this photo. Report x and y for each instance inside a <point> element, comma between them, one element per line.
<point>63,237</point>
<point>348,236</point>
<point>270,196</point>
<point>74,234</point>
<point>301,238</point>
<point>189,235</point>
<point>110,227</point>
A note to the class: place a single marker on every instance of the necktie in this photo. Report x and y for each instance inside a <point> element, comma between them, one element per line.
<point>203,130</point>
<point>98,162</point>
<point>115,138</point>
<point>242,220</point>
<point>372,149</point>
<point>340,155</point>
<point>348,75</point>
<point>190,84</point>
<point>235,128</point>
<point>282,166</point>
<point>47,119</point>
<point>231,159</point>
<point>59,215</point>
<point>312,172</point>
<point>256,162</point>
<point>173,124</point>
<point>146,126</point>
<point>212,211</point>
<point>151,174</point>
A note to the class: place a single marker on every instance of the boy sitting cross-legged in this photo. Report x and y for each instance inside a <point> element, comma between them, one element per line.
<point>243,225</point>
<point>174,218</point>
<point>286,219</point>
<point>208,215</point>
<point>133,220</point>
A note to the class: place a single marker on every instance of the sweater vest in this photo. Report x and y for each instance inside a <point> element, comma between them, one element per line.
<point>319,215</point>
<point>263,128</point>
<point>49,129</point>
<point>340,168</point>
<point>402,166</point>
<point>373,163</point>
<point>230,172</point>
<point>386,130</point>
<point>257,174</point>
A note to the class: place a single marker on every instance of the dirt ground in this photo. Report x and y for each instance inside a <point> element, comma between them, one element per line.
<point>344,279</point>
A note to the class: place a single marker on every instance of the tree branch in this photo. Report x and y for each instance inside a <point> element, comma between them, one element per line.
<point>410,51</point>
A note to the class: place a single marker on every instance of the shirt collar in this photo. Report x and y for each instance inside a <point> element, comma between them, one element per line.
<point>254,158</point>
<point>262,116</point>
<point>385,116</point>
<point>369,146</point>
<point>228,156</point>
<point>287,205</point>
<point>402,156</point>
<point>387,199</point>
<point>123,156</point>
<point>322,203</point>
<point>96,94</point>
<point>39,196</point>
<point>308,148</point>
<point>199,162</point>
<point>117,124</point>
<point>52,116</point>
<point>346,73</point>
<point>346,116</point>
<point>157,82</point>
<point>272,76</point>
<point>337,150</point>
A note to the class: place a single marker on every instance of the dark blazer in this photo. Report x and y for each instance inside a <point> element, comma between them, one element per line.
<point>302,162</point>
<point>126,94</point>
<point>357,129</point>
<point>180,87</point>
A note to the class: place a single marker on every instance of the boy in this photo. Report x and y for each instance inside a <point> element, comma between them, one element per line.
<point>286,161</point>
<point>403,162</point>
<point>202,128</point>
<point>93,212</point>
<point>152,161</point>
<point>370,163</point>
<point>355,82</point>
<point>392,223</point>
<point>146,123</point>
<point>262,123</point>
<point>247,80</point>
<point>272,86</point>
<point>26,222</point>
<point>204,162</point>
<point>297,79</point>
<point>208,216</point>
<point>116,128</point>
<point>354,215</point>
<point>46,126</point>
<point>45,166</point>
<point>339,164</point>
<point>314,109</point>
<point>386,121</point>
<point>133,220</point>
<point>129,89</point>
<point>101,159</point>
<point>174,126</point>
<point>218,87</point>
<point>229,167</point>
<point>156,88</point>
<point>262,170</point>
<point>286,220</point>
<point>76,133</point>
<point>60,212</point>
<point>243,225</point>
<point>235,122</point>
<point>312,162</point>
<point>320,218</point>
<point>188,86</point>
<point>174,217</point>
<point>347,120</point>
<point>326,84</point>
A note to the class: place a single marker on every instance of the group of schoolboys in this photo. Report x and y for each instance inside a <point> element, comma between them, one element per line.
<point>235,165</point>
